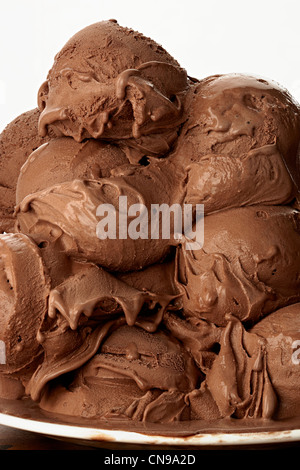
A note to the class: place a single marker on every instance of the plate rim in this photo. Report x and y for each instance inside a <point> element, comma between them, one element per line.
<point>115,436</point>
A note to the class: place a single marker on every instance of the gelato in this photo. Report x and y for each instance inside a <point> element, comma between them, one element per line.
<point>248,276</point>
<point>66,160</point>
<point>148,376</point>
<point>281,331</point>
<point>233,114</point>
<point>111,82</point>
<point>22,309</point>
<point>240,128</point>
<point>102,316</point>
<point>18,140</point>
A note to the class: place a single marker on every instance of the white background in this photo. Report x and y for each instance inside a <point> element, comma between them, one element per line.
<point>260,37</point>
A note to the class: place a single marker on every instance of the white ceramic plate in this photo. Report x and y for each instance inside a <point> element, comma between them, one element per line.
<point>26,416</point>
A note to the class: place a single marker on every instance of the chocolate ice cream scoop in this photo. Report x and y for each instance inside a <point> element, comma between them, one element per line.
<point>281,331</point>
<point>84,308</point>
<point>261,175</point>
<point>239,380</point>
<point>18,140</point>
<point>235,113</point>
<point>135,374</point>
<point>249,264</point>
<point>111,82</point>
<point>22,309</point>
<point>64,159</point>
<point>241,130</point>
<point>77,207</point>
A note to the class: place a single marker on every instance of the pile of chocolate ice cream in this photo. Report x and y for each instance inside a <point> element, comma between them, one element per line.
<point>147,329</point>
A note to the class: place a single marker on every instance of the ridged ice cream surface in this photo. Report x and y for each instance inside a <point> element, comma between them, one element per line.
<point>146,329</point>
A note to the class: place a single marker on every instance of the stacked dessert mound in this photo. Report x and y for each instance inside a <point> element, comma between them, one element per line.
<point>148,328</point>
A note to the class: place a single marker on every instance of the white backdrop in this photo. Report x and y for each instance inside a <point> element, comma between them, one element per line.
<point>260,37</point>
